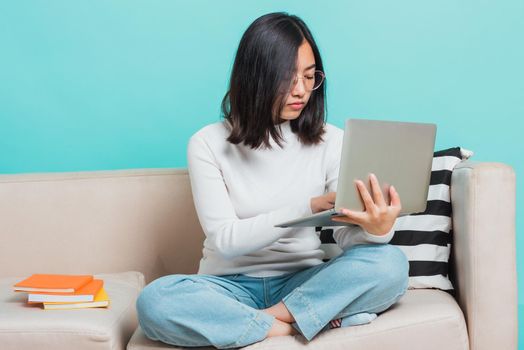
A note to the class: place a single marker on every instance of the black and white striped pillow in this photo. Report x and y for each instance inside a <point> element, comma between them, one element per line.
<point>424,237</point>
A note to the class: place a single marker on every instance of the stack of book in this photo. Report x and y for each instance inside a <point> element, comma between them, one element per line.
<point>64,291</point>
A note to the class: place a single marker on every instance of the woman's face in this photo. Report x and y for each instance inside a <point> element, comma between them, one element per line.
<point>298,96</point>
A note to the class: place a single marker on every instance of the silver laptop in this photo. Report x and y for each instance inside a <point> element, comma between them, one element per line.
<point>398,153</point>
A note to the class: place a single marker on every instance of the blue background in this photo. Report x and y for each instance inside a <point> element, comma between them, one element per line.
<point>99,85</point>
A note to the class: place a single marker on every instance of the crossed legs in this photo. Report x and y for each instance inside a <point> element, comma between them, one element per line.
<point>283,320</point>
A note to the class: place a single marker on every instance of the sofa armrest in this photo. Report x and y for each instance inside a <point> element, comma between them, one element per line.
<point>484,252</point>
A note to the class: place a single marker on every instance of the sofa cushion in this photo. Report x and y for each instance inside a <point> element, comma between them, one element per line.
<point>427,319</point>
<point>24,326</point>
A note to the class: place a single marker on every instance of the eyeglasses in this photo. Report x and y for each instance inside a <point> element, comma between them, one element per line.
<point>311,81</point>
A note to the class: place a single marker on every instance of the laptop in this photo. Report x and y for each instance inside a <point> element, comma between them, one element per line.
<point>398,153</point>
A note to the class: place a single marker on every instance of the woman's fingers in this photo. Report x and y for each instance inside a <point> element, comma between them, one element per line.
<point>395,198</point>
<point>378,197</point>
<point>352,217</point>
<point>375,219</point>
<point>324,202</point>
<point>331,197</point>
<point>329,200</point>
<point>366,197</point>
<point>344,219</point>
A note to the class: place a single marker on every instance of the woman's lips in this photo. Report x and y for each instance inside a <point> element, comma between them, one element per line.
<point>296,106</point>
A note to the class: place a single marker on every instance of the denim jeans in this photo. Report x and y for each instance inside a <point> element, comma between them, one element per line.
<point>225,311</point>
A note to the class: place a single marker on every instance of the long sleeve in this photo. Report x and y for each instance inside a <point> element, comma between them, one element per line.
<point>225,233</point>
<point>348,236</point>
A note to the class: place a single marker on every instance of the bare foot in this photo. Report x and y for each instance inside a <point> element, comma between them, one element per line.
<point>280,328</point>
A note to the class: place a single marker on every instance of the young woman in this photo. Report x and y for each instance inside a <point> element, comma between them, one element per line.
<point>271,159</point>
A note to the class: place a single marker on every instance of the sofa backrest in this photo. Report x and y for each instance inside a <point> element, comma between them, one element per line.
<point>99,221</point>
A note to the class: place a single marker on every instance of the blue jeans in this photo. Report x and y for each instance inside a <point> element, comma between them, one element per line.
<point>225,311</point>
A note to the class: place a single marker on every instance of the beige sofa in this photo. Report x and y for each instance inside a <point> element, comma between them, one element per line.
<point>132,226</point>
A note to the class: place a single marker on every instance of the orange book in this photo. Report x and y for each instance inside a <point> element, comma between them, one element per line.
<point>84,293</point>
<point>101,300</point>
<point>52,283</point>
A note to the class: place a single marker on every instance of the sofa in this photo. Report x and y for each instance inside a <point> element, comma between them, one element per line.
<point>130,227</point>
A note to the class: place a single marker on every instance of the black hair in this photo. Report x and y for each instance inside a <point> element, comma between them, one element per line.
<point>263,69</point>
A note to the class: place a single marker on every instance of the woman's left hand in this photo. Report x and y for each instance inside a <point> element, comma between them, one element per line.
<point>378,217</point>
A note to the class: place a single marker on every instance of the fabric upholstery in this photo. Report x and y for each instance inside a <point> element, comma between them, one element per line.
<point>427,319</point>
<point>483,200</point>
<point>140,220</point>
<point>24,326</point>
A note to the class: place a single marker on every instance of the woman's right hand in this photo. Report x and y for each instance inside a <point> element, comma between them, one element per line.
<point>324,202</point>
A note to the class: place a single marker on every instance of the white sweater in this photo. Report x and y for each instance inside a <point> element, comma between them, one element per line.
<point>241,193</point>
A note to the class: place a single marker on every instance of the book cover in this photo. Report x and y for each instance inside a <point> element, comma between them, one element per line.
<point>84,293</point>
<point>52,283</point>
<point>101,300</point>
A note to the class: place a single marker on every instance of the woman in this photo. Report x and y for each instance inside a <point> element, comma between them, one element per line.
<point>274,158</point>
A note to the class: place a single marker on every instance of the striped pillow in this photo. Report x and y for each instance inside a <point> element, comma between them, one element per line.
<point>424,237</point>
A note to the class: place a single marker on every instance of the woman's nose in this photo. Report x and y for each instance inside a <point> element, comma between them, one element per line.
<point>299,88</point>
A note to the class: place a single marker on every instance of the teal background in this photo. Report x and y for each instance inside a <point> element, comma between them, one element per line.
<point>98,85</point>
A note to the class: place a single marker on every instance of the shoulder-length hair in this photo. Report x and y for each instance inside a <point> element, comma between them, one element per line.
<point>263,69</point>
